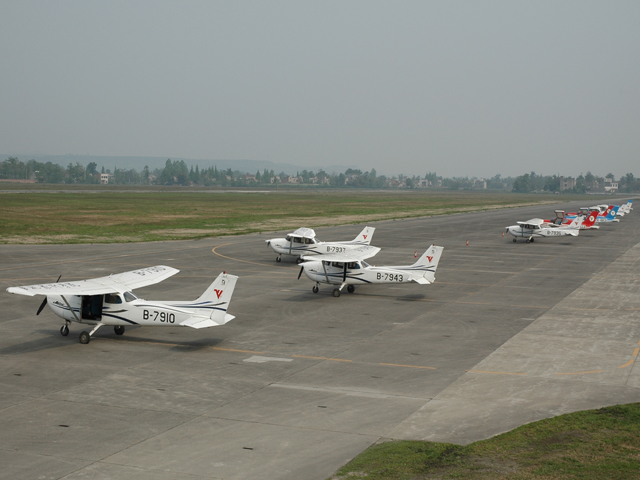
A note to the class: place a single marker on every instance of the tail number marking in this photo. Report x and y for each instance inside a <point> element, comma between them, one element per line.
<point>158,316</point>
<point>389,277</point>
<point>336,249</point>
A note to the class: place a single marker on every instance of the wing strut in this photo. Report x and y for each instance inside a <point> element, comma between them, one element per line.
<point>72,311</point>
<point>326,275</point>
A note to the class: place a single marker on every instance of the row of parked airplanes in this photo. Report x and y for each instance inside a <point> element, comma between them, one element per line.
<point>110,301</point>
<point>586,218</point>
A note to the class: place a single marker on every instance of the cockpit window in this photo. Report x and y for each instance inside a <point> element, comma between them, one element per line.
<point>365,264</point>
<point>112,298</point>
<point>288,238</point>
<point>129,297</point>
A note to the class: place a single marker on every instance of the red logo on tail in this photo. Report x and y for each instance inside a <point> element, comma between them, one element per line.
<point>218,292</point>
<point>365,237</point>
<point>429,258</point>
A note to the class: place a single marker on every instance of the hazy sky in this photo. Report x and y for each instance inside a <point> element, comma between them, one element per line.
<point>462,88</point>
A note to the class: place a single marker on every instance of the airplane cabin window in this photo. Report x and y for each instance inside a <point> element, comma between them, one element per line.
<point>288,238</point>
<point>129,297</point>
<point>112,298</point>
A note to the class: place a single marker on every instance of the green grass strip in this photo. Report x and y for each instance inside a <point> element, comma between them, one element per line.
<point>593,444</point>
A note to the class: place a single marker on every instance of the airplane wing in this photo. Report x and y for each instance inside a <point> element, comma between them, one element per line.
<point>533,221</point>
<point>118,283</point>
<point>352,255</point>
<point>303,233</point>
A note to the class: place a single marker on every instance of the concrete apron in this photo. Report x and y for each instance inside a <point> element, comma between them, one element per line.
<point>579,355</point>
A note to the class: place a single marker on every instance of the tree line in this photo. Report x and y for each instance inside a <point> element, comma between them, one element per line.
<point>178,173</point>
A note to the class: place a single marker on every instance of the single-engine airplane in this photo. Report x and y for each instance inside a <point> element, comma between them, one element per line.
<point>589,220</point>
<point>110,301</point>
<point>349,269</point>
<point>536,228</point>
<point>304,242</point>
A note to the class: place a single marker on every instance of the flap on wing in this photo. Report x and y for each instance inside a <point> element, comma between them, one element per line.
<point>352,255</point>
<point>420,280</point>
<point>118,283</point>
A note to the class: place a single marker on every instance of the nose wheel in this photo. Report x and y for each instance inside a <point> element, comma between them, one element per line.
<point>315,289</point>
<point>514,240</point>
<point>351,288</point>
<point>64,330</point>
<point>278,259</point>
<point>119,329</point>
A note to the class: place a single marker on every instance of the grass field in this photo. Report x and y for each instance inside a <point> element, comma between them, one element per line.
<point>101,215</point>
<point>590,445</point>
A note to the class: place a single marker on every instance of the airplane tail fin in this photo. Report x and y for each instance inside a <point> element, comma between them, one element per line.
<point>590,220</point>
<point>217,298</point>
<point>612,212</point>
<point>365,235</point>
<point>429,261</point>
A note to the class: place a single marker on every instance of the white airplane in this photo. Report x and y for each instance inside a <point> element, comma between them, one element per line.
<point>110,301</point>
<point>304,242</point>
<point>350,269</point>
<point>537,228</point>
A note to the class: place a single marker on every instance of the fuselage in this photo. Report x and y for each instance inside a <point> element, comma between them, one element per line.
<point>127,309</point>
<point>536,231</point>
<point>361,273</point>
<point>310,246</point>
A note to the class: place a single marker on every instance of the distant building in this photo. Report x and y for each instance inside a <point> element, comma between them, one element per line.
<point>567,183</point>
<point>424,183</point>
<point>105,178</point>
<point>611,187</point>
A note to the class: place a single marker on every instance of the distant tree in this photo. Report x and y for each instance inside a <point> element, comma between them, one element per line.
<point>522,184</point>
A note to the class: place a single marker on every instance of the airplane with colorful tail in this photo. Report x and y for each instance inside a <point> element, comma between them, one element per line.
<point>588,223</point>
<point>109,301</point>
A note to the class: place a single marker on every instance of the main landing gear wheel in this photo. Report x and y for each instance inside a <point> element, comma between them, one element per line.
<point>315,289</point>
<point>278,259</point>
<point>85,337</point>
<point>336,292</point>
<point>351,288</point>
<point>532,240</point>
<point>64,330</point>
<point>119,329</point>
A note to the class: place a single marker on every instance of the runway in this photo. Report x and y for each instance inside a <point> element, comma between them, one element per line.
<point>299,383</point>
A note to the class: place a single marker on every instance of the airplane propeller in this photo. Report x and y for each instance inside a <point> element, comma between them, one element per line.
<point>44,302</point>
<point>344,275</point>
<point>301,270</point>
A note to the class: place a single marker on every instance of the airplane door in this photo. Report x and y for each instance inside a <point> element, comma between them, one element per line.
<point>92,307</point>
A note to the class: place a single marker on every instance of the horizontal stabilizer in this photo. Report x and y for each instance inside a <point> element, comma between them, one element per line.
<point>420,280</point>
<point>197,321</point>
